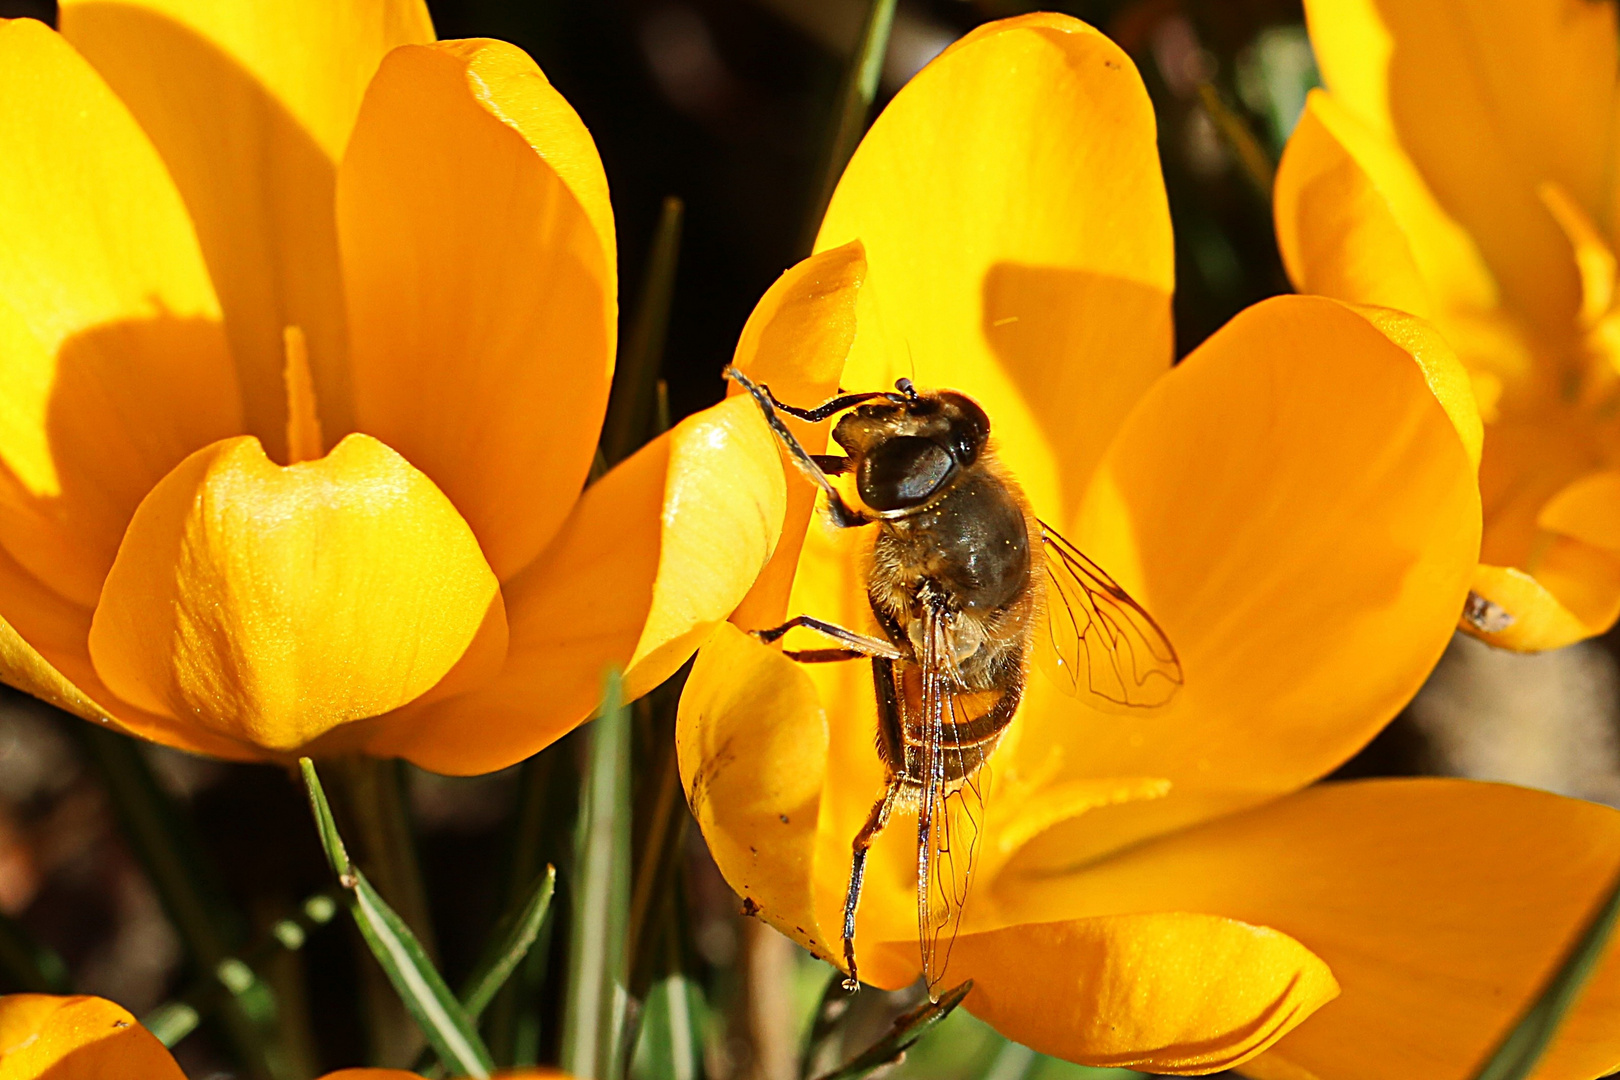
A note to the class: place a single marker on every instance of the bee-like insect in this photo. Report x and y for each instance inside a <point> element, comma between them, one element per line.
<point>967,587</point>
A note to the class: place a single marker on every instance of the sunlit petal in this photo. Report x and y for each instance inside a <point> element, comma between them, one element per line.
<point>251,105</point>
<point>271,604</point>
<point>1298,510</point>
<point>1017,234</point>
<point>1439,905</point>
<point>114,364</point>
<point>479,258</point>
<point>1176,993</point>
<point>70,1037</point>
<point>655,555</point>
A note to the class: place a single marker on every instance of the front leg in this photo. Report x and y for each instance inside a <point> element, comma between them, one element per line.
<point>843,515</point>
<point>858,644</point>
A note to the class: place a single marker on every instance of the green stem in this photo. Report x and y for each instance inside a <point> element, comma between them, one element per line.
<point>855,97</point>
<point>598,975</point>
<point>164,840</point>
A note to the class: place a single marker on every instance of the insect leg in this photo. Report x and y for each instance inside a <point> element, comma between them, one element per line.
<point>860,643</point>
<point>822,656</point>
<point>857,874</point>
<point>843,515</point>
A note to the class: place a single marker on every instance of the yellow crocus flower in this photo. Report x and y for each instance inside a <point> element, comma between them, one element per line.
<point>307,324</point>
<point>1296,505</point>
<point>44,1037</point>
<point>1461,166</point>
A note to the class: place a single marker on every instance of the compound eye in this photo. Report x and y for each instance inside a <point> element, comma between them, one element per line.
<point>903,472</point>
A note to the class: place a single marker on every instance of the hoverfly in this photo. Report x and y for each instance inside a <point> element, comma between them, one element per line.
<point>962,602</point>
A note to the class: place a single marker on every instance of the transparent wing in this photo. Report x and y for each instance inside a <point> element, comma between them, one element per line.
<point>950,812</point>
<point>1099,641</point>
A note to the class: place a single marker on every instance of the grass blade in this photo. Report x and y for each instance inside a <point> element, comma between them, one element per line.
<point>855,97</point>
<point>31,966</point>
<point>1517,1055</point>
<point>598,959</point>
<point>907,1029</point>
<point>631,407</point>
<point>418,983</point>
<point>509,943</point>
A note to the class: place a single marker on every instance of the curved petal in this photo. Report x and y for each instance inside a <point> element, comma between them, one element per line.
<point>271,604</point>
<point>251,105</point>
<point>478,255</point>
<point>1018,237</point>
<point>1299,512</point>
<point>1489,100</point>
<point>42,1036</point>
<point>1355,221</point>
<point>112,364</point>
<point>654,556</point>
<point>751,739</point>
<point>1177,993</point>
<point>1437,944</point>
<point>795,342</point>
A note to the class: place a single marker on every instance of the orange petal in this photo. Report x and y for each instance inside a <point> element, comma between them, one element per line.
<point>251,106</point>
<point>1015,224</point>
<point>655,555</point>
<point>44,651</point>
<point>1175,993</point>
<point>1356,221</point>
<point>64,1038</point>
<point>1299,512</point>
<point>751,737</point>
<point>271,604</point>
<point>1489,99</point>
<point>111,355</point>
<point>795,342</point>
<point>478,255</point>
<point>1440,905</point>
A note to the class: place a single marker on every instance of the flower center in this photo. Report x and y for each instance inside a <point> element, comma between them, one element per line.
<point>304,441</point>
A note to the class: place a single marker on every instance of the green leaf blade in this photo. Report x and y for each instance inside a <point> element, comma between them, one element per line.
<point>597,994</point>
<point>420,987</point>
<point>509,943</point>
<point>1517,1055</point>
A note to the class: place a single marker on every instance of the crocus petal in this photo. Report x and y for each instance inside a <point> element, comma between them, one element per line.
<point>1489,99</point>
<point>69,1037</point>
<point>654,556</point>
<point>251,105</point>
<point>1297,507</point>
<point>44,651</point>
<point>795,342</point>
<point>478,254</point>
<point>1177,993</point>
<point>1018,237</point>
<point>271,604</point>
<point>1356,221</point>
<point>1438,944</point>
<point>110,350</point>
<point>751,739</point>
